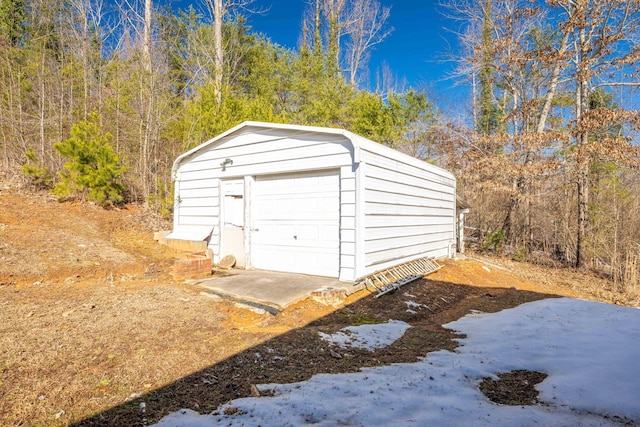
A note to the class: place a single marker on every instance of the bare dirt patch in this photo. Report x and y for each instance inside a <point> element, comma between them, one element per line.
<point>91,323</point>
<point>516,388</point>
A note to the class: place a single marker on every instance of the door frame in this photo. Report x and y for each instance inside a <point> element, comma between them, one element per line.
<point>233,189</point>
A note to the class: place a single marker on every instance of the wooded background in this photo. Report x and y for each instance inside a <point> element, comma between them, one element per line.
<point>97,101</point>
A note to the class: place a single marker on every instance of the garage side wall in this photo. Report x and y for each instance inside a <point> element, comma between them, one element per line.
<point>409,211</point>
<point>252,153</point>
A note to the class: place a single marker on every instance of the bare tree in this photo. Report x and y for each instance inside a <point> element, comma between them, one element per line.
<point>219,10</point>
<point>146,39</point>
<point>366,27</point>
<point>345,31</point>
<point>600,31</point>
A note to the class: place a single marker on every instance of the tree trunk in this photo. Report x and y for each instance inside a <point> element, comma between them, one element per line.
<point>317,35</point>
<point>147,35</point>
<point>582,139</point>
<point>583,200</point>
<point>553,84</point>
<point>218,49</point>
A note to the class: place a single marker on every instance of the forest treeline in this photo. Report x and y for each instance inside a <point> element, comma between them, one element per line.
<point>153,82</point>
<point>97,100</point>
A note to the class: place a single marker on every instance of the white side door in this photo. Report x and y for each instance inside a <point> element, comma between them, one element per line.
<point>232,220</point>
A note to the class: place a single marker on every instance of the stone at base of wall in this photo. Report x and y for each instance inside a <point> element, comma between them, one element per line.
<point>329,296</point>
<point>192,266</point>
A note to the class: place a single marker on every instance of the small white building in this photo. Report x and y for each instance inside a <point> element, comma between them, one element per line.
<point>312,200</point>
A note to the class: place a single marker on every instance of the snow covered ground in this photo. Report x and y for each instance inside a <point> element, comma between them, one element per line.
<point>590,351</point>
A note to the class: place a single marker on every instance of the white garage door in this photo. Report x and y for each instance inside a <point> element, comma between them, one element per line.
<point>296,223</point>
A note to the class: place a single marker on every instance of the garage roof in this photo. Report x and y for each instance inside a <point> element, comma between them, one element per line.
<point>357,141</point>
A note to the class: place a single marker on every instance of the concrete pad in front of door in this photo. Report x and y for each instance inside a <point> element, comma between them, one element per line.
<point>269,290</point>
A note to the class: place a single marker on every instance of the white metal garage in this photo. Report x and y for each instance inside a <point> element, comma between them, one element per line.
<point>312,200</point>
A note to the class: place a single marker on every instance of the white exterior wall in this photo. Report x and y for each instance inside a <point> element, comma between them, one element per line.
<point>254,153</point>
<point>348,240</point>
<point>393,208</point>
<point>409,210</point>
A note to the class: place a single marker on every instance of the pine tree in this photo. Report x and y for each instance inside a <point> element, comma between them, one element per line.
<point>93,169</point>
<point>12,21</point>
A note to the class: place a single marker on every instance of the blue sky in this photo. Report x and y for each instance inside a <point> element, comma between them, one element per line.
<point>415,50</point>
<point>412,49</point>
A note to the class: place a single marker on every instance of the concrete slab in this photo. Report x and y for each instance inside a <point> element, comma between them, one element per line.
<point>270,290</point>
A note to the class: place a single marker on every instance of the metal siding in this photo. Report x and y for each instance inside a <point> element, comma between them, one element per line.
<point>388,200</point>
<point>408,166</point>
<point>396,174</point>
<point>277,151</point>
<point>390,257</point>
<point>373,221</point>
<point>198,183</point>
<point>385,187</point>
<point>402,231</point>
<point>253,153</point>
<point>348,200</point>
<point>407,211</point>
<point>418,199</point>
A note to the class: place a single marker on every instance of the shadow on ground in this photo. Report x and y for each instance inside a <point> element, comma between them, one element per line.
<point>299,354</point>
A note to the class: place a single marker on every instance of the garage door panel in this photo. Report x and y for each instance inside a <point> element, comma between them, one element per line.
<point>296,218</point>
<point>276,233</point>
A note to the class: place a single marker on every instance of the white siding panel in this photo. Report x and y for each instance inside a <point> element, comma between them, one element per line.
<point>276,147</point>
<point>412,178</point>
<point>428,172</point>
<point>199,165</point>
<point>347,274</point>
<point>198,202</point>
<point>264,152</point>
<point>300,164</point>
<point>347,262</point>
<point>407,200</point>
<point>348,200</point>
<point>348,185</point>
<point>348,223</point>
<point>348,247</point>
<point>347,235</point>
<point>408,212</point>
<point>402,242</point>
<point>267,157</point>
<point>374,221</point>
<point>203,183</point>
<point>404,188</point>
<point>349,209</point>
<point>190,210</point>
<point>197,220</point>
<point>256,141</point>
<point>376,260</point>
<point>198,193</point>
<point>427,231</point>
<point>347,197</point>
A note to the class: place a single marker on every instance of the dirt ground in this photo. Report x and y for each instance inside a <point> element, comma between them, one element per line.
<point>92,324</point>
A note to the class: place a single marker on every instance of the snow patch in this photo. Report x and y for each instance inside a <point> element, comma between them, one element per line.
<point>589,350</point>
<point>368,337</point>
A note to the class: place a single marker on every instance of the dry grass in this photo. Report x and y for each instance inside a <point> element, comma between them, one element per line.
<point>571,282</point>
